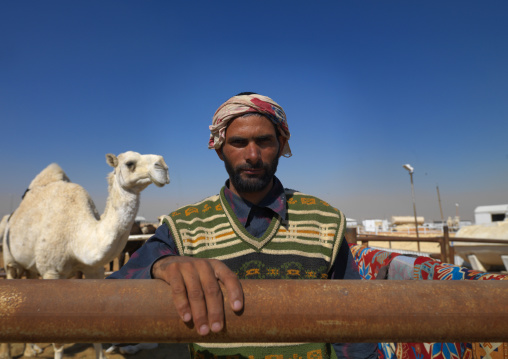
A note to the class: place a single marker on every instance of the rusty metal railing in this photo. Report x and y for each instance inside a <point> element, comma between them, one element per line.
<point>115,311</point>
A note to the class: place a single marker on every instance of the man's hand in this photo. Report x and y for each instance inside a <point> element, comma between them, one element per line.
<point>196,292</point>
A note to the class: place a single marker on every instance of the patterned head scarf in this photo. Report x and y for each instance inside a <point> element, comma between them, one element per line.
<point>242,104</point>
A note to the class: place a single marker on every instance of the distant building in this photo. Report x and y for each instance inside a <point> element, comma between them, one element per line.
<point>464,223</point>
<point>490,214</point>
<point>407,220</point>
<point>376,225</point>
<point>352,223</point>
<point>438,225</point>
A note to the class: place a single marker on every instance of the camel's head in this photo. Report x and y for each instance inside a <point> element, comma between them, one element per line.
<point>135,172</point>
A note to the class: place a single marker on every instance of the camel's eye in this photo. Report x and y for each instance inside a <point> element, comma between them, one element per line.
<point>130,165</point>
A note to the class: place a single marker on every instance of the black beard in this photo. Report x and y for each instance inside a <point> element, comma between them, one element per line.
<point>251,184</point>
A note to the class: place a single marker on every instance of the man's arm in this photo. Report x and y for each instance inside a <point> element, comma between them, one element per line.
<point>344,266</point>
<point>194,282</point>
<point>140,264</point>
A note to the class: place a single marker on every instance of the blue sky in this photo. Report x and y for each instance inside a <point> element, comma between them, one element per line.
<point>367,87</point>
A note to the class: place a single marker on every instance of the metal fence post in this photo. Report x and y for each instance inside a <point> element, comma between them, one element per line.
<point>449,249</point>
<point>352,235</point>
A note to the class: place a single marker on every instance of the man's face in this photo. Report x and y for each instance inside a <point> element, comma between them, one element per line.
<point>251,153</point>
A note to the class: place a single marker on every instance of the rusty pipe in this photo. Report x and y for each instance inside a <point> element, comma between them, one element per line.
<point>116,311</point>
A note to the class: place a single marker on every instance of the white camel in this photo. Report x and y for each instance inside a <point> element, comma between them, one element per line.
<point>56,231</point>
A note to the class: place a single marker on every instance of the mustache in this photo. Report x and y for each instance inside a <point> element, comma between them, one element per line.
<point>247,166</point>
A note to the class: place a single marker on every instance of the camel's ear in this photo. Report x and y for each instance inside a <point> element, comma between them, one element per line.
<point>111,160</point>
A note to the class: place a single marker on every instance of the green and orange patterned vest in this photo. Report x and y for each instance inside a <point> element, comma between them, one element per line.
<point>302,246</point>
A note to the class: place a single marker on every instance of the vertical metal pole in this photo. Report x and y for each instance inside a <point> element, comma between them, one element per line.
<point>442,244</point>
<point>440,207</point>
<point>414,209</point>
<point>450,256</point>
<point>457,217</point>
<point>352,235</point>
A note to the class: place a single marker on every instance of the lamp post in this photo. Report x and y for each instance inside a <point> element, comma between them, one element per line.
<point>457,218</point>
<point>411,170</point>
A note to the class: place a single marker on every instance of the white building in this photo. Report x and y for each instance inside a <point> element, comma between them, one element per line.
<point>376,225</point>
<point>351,223</point>
<point>489,214</point>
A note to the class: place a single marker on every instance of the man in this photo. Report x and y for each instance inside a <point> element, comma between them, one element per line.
<point>253,229</point>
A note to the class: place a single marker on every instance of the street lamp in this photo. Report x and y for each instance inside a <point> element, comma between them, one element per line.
<point>411,170</point>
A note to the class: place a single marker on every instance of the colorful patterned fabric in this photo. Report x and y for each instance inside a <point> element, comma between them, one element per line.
<point>490,350</point>
<point>429,269</point>
<point>401,268</point>
<point>424,351</point>
<point>240,105</point>
<point>371,261</point>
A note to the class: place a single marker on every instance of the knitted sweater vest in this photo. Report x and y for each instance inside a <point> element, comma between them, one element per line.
<point>302,246</point>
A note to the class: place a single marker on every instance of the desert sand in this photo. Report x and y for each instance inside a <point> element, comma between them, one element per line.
<point>86,351</point>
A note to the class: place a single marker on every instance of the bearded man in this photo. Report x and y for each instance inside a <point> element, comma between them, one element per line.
<point>253,229</point>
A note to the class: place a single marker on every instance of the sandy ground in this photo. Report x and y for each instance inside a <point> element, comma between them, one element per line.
<point>86,351</point>
<point>409,246</point>
<point>426,247</point>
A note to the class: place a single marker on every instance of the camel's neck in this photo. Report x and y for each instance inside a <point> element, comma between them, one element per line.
<point>112,230</point>
<point>120,212</point>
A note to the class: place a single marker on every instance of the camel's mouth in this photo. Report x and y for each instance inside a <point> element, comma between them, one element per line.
<point>159,184</point>
<point>160,178</point>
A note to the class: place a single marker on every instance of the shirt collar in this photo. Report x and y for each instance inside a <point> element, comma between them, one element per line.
<point>274,200</point>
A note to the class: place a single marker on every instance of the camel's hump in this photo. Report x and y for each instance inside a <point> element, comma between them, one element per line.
<point>52,173</point>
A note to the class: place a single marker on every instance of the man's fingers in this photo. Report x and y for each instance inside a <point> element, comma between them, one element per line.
<point>196,298</point>
<point>232,285</point>
<point>180,301</point>
<point>213,298</point>
<point>172,270</point>
<point>197,294</point>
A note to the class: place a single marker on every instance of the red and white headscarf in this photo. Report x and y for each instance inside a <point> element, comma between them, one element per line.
<point>242,104</point>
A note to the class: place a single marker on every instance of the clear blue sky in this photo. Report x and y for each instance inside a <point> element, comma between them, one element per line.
<point>367,87</point>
